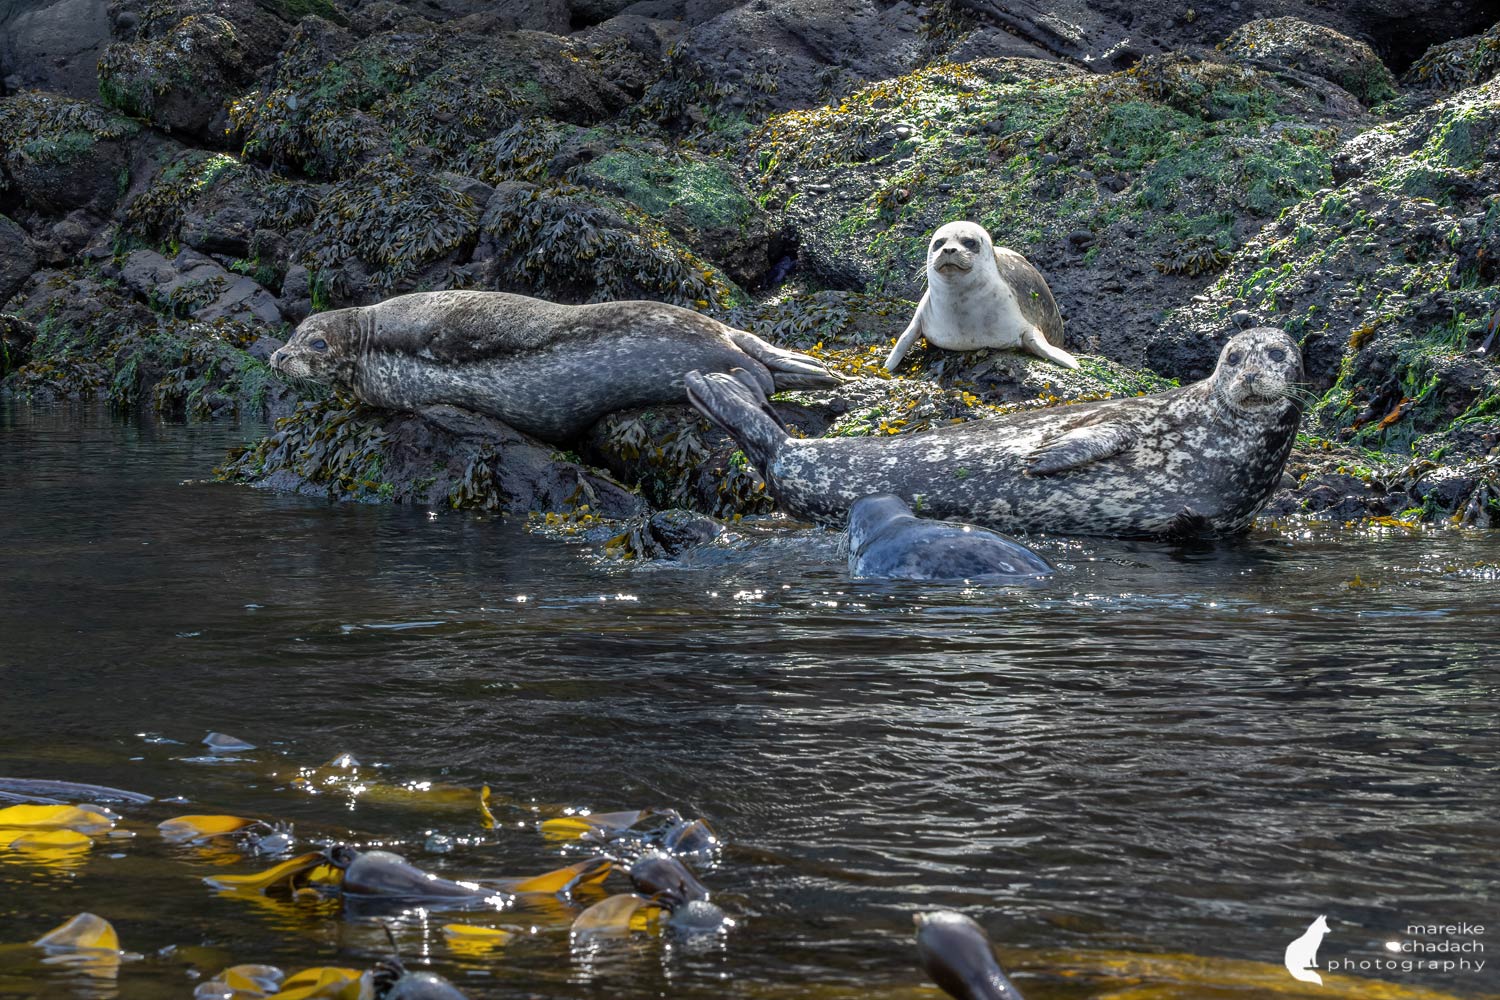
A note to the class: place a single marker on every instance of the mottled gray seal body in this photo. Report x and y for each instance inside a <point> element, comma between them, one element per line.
<point>886,540</point>
<point>546,369</point>
<point>1196,461</point>
<point>980,295</point>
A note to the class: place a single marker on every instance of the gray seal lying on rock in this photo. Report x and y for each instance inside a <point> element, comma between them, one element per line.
<point>980,295</point>
<point>887,540</point>
<point>545,369</point>
<point>1196,461</point>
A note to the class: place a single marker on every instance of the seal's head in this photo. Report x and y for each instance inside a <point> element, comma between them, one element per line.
<point>324,348</point>
<point>958,250</point>
<point>868,515</point>
<point>1258,372</point>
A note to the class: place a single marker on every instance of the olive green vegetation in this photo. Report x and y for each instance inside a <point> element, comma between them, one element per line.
<point>1189,145</point>
<point>330,444</point>
<point>186,62</point>
<point>38,129</point>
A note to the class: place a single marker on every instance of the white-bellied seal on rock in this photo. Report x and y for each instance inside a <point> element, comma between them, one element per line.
<point>887,540</point>
<point>1196,461</point>
<point>958,956</point>
<point>545,369</point>
<point>980,295</point>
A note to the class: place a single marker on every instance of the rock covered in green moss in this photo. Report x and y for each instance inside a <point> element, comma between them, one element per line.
<point>1293,43</point>
<point>1390,282</point>
<point>445,457</point>
<point>178,80</point>
<point>61,154</point>
<point>1128,190</point>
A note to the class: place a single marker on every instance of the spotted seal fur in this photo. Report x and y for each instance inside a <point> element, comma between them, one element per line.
<point>980,295</point>
<point>545,369</point>
<point>1200,460</point>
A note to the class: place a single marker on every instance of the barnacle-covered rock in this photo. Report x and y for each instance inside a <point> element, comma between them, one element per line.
<point>1295,44</point>
<point>1127,190</point>
<point>60,153</point>
<point>570,244</point>
<point>1463,62</point>
<point>446,457</point>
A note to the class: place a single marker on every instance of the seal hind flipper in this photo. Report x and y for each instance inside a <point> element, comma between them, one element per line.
<point>1189,524</point>
<point>736,404</point>
<point>789,370</point>
<point>1079,447</point>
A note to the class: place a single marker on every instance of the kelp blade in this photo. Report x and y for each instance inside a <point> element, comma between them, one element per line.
<point>590,872</point>
<point>326,982</point>
<point>284,872</point>
<point>180,829</point>
<point>31,817</point>
<point>621,914</point>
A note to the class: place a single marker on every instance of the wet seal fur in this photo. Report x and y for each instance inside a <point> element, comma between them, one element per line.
<point>1199,461</point>
<point>547,370</point>
<point>980,295</point>
<point>886,540</point>
<point>959,957</point>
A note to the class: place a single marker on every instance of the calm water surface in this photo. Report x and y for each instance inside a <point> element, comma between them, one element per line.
<point>1162,751</point>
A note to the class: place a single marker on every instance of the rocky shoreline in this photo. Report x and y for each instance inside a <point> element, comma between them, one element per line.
<point>183,182</point>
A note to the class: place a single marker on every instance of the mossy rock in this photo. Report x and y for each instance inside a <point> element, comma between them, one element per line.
<point>179,80</point>
<point>571,244</point>
<point>1312,48</point>
<point>61,154</point>
<point>1463,62</point>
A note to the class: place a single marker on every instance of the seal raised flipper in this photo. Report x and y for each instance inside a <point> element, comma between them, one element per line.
<point>736,404</point>
<point>908,336</point>
<point>1079,447</point>
<point>789,370</point>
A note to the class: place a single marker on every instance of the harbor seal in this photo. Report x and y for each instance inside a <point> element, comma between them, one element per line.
<point>980,295</point>
<point>1200,460</point>
<point>958,956</point>
<point>547,370</point>
<point>887,540</point>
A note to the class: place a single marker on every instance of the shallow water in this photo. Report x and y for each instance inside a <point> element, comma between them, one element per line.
<point>1163,750</point>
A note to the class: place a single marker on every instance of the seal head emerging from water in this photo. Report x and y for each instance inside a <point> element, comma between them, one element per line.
<point>1196,461</point>
<point>887,540</point>
<point>980,295</point>
<point>958,956</point>
<point>546,369</point>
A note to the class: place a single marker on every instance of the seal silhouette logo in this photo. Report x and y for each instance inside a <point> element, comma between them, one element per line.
<point>1302,954</point>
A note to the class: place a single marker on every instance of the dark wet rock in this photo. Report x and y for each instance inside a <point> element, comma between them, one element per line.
<point>1292,43</point>
<point>179,79</point>
<point>665,534</point>
<point>443,457</point>
<point>17,258</point>
<point>52,46</point>
<point>1463,62</point>
<point>16,337</point>
<point>192,285</point>
<point>62,154</point>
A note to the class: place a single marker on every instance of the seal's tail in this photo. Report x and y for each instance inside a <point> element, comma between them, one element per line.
<point>735,402</point>
<point>789,369</point>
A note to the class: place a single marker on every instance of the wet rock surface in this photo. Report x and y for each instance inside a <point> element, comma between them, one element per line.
<point>182,182</point>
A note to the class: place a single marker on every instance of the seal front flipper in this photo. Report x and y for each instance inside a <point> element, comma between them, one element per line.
<point>736,404</point>
<point>908,336</point>
<point>1035,343</point>
<point>1079,447</point>
<point>789,370</point>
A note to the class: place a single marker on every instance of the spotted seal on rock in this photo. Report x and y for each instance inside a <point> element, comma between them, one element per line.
<point>958,956</point>
<point>980,295</point>
<point>887,540</point>
<point>1196,461</point>
<point>545,369</point>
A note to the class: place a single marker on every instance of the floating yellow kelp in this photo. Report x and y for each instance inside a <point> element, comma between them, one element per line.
<point>486,818</point>
<point>244,982</point>
<point>1136,976</point>
<point>50,840</point>
<point>330,982</point>
<point>287,871</point>
<point>621,914</point>
<point>584,873</point>
<point>574,827</point>
<point>474,942</point>
<point>184,829</point>
<point>56,817</point>
<point>343,775</point>
<point>85,942</point>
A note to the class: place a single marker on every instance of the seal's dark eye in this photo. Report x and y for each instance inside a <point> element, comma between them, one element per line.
<point>319,345</point>
<point>971,243</point>
<point>936,244</point>
<point>1276,354</point>
<point>1235,357</point>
